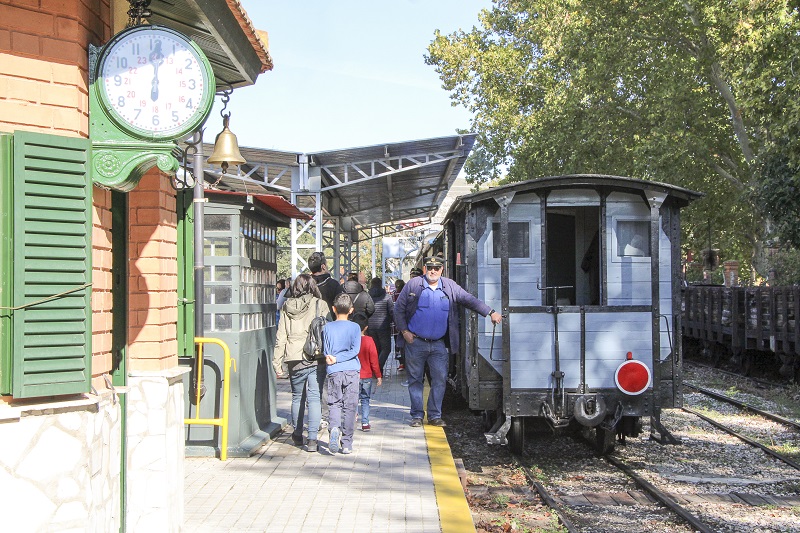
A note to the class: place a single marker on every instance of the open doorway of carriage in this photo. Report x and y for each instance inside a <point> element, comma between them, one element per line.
<point>573,255</point>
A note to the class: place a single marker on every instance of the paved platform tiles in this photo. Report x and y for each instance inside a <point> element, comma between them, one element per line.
<point>397,479</point>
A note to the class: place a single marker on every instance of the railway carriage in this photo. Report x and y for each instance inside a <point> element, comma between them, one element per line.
<point>585,271</point>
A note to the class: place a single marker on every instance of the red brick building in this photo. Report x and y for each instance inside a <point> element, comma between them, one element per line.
<point>72,450</point>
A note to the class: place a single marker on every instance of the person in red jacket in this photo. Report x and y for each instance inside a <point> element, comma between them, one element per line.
<point>370,369</point>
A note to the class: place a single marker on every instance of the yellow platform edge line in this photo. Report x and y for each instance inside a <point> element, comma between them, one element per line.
<point>454,513</point>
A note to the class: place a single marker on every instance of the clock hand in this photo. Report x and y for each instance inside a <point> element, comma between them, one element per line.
<point>156,58</point>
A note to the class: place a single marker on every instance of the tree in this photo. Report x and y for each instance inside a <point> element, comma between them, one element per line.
<point>701,94</point>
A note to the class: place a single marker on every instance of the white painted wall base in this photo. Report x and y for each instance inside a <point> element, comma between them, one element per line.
<point>155,500</point>
<point>60,465</point>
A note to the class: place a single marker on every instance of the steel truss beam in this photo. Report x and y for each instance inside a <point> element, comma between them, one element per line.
<point>384,167</point>
<point>252,168</point>
<point>342,246</point>
<point>306,227</point>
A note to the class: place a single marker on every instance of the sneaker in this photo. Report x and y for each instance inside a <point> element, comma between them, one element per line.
<point>401,368</point>
<point>404,383</point>
<point>347,451</point>
<point>364,427</point>
<point>415,422</point>
<point>323,424</point>
<point>297,439</point>
<point>311,446</point>
<point>333,441</point>
<point>438,422</point>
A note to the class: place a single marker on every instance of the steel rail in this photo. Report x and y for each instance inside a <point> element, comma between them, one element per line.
<point>546,497</point>
<point>748,440</point>
<point>741,405</point>
<point>661,496</point>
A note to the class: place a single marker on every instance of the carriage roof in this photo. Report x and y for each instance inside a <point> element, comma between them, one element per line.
<point>577,181</point>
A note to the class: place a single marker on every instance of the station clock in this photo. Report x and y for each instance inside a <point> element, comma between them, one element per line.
<point>155,83</point>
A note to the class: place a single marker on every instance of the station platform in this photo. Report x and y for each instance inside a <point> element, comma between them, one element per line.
<point>398,479</point>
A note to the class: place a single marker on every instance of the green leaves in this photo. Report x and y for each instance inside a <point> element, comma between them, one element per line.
<point>690,93</point>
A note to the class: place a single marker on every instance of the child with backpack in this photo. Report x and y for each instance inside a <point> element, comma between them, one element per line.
<point>342,341</point>
<point>370,369</point>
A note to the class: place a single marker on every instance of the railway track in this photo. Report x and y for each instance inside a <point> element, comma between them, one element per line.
<point>656,497</point>
<point>720,483</point>
<point>577,512</point>
<point>642,500</point>
<point>744,406</point>
<point>784,440</point>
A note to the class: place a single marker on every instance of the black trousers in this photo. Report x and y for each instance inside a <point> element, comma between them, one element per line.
<point>383,343</point>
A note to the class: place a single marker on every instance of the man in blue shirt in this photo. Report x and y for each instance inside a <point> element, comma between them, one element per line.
<point>425,313</point>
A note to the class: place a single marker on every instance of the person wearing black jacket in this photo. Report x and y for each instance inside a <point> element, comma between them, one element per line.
<point>362,301</point>
<point>328,287</point>
<point>380,323</point>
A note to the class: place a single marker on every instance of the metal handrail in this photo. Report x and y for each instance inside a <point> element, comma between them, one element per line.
<point>226,392</point>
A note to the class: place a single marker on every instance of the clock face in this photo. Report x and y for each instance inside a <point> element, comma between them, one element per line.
<point>155,82</point>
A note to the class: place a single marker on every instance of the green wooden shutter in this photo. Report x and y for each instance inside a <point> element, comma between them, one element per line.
<point>52,251</point>
<point>186,295</point>
<point>6,274</point>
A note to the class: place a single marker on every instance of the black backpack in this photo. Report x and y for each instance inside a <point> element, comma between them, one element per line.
<point>314,348</point>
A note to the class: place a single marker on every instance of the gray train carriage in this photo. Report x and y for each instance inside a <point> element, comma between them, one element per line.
<point>586,272</point>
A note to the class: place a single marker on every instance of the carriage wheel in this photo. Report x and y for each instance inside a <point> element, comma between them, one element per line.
<point>517,438</point>
<point>605,440</point>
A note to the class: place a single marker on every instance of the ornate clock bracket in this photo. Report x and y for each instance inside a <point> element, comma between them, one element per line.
<point>120,166</point>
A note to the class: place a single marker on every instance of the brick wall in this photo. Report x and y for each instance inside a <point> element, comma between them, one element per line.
<point>102,319</point>
<point>44,63</point>
<point>44,82</point>
<point>153,275</point>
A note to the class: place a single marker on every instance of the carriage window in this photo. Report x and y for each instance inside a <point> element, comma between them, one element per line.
<point>633,238</point>
<point>519,241</point>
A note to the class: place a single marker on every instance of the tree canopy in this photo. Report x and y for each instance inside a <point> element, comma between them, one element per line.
<point>698,93</point>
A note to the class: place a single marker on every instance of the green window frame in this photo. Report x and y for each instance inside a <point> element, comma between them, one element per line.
<point>45,265</point>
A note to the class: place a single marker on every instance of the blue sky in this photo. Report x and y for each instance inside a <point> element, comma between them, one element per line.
<point>347,73</point>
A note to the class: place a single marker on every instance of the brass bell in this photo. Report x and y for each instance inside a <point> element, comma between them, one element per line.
<point>226,148</point>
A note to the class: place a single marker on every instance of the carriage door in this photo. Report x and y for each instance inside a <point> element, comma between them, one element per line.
<point>571,267</point>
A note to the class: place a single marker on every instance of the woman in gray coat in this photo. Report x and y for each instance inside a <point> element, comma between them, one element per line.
<point>305,377</point>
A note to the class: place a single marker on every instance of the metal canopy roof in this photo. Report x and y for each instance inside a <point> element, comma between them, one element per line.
<point>374,185</point>
<point>235,49</point>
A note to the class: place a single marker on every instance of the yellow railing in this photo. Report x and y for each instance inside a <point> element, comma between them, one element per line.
<point>226,392</point>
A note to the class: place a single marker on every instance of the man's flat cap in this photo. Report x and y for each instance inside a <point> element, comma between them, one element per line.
<point>434,261</point>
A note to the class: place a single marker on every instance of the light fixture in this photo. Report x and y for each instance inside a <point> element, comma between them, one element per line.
<point>226,148</point>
